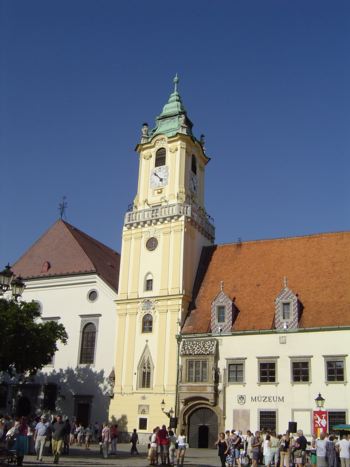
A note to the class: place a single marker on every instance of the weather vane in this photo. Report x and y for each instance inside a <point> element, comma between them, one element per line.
<point>62,207</point>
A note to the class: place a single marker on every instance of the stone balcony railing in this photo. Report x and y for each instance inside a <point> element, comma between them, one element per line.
<point>155,214</point>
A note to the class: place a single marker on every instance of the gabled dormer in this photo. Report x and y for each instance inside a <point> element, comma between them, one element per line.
<point>223,313</point>
<point>286,309</point>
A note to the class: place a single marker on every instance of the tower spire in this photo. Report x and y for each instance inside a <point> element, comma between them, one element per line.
<point>176,82</point>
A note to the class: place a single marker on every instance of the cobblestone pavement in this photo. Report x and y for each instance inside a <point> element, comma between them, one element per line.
<point>80,457</point>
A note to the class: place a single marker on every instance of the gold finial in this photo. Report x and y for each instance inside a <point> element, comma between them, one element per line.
<point>285,281</point>
<point>222,285</point>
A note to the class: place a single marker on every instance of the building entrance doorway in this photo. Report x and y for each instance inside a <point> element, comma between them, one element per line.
<point>82,409</point>
<point>203,428</point>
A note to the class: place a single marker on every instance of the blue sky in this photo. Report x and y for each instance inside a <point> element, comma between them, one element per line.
<point>266,81</point>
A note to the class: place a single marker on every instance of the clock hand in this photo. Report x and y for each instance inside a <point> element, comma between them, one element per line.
<point>160,178</point>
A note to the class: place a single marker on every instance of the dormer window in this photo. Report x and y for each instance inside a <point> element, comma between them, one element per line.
<point>220,313</point>
<point>287,308</point>
<point>160,157</point>
<point>286,311</point>
<point>223,313</point>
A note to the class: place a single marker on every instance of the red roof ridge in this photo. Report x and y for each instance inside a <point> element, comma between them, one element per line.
<point>294,237</point>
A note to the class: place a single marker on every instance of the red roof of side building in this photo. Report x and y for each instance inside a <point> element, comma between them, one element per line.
<point>65,250</point>
<point>317,268</point>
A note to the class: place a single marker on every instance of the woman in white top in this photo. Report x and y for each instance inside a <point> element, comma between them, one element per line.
<point>267,450</point>
<point>182,445</point>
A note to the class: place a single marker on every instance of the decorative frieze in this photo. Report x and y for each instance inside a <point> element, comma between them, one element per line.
<point>198,347</point>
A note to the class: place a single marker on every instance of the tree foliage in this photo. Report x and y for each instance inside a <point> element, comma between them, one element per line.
<point>26,344</point>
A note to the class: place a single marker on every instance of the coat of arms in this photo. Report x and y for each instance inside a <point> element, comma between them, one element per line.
<point>241,399</point>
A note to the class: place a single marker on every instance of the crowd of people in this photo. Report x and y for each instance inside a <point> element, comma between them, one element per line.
<point>269,449</point>
<point>54,435</point>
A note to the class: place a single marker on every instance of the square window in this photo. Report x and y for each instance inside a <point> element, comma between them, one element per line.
<point>300,372</point>
<point>197,371</point>
<point>236,372</point>
<point>286,311</point>
<point>335,370</point>
<point>336,418</point>
<point>142,423</point>
<point>267,420</point>
<point>267,372</point>
<point>221,312</point>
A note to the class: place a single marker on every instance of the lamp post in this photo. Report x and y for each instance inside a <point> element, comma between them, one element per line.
<point>170,413</point>
<point>8,281</point>
<point>320,401</point>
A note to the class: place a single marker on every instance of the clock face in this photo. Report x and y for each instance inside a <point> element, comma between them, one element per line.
<point>193,183</point>
<point>159,176</point>
<point>151,243</point>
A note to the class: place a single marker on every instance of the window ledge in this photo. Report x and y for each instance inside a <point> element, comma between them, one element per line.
<point>336,382</point>
<point>234,383</point>
<point>267,384</point>
<point>297,383</point>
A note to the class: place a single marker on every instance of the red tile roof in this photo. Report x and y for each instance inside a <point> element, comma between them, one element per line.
<point>65,250</point>
<point>317,268</point>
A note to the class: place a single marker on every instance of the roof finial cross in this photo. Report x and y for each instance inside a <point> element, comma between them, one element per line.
<point>176,81</point>
<point>285,281</point>
<point>62,207</point>
<point>222,285</point>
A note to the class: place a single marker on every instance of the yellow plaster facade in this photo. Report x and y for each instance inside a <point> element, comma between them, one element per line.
<point>157,280</point>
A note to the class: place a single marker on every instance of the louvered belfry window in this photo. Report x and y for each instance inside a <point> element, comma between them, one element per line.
<point>88,339</point>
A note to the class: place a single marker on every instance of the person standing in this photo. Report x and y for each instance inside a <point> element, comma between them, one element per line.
<point>181,451</point>
<point>114,438</point>
<point>343,447</point>
<point>256,444</point>
<point>105,439</point>
<point>163,442</point>
<point>40,437</point>
<point>172,447</point>
<point>222,448</point>
<point>267,450</point>
<point>285,450</point>
<point>320,445</point>
<point>331,452</point>
<point>58,434</point>
<point>134,441</point>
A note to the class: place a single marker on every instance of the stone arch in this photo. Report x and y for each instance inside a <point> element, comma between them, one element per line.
<point>197,413</point>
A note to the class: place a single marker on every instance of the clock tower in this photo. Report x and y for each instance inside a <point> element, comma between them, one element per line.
<point>163,236</point>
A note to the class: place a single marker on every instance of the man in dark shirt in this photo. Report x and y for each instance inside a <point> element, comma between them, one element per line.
<point>59,430</point>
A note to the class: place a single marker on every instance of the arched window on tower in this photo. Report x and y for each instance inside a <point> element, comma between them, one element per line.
<point>160,157</point>
<point>88,340</point>
<point>145,370</point>
<point>149,282</point>
<point>147,323</point>
<point>194,165</point>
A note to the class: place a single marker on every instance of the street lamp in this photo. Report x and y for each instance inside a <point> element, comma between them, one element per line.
<point>8,280</point>
<point>168,414</point>
<point>320,401</point>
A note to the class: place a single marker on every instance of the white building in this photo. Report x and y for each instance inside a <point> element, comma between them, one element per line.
<point>74,279</point>
<point>268,330</point>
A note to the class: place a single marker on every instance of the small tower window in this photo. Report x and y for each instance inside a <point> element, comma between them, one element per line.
<point>160,157</point>
<point>147,323</point>
<point>149,282</point>
<point>194,165</point>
